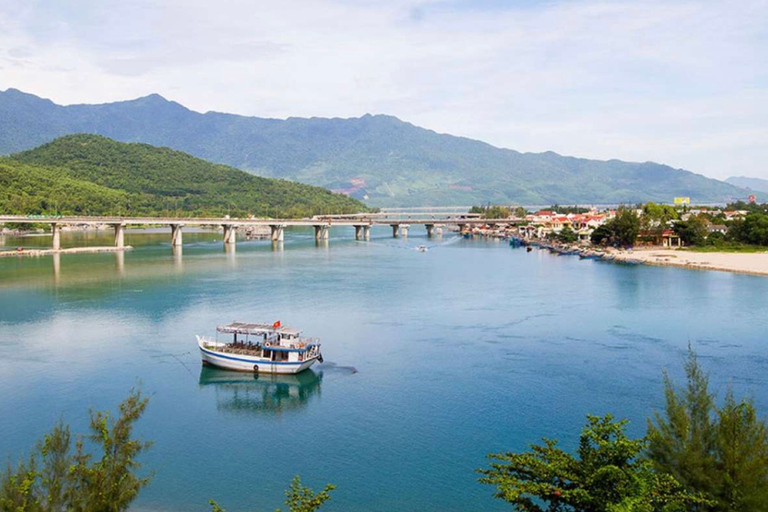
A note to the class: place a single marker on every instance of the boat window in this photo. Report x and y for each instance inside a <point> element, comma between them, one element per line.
<point>267,353</point>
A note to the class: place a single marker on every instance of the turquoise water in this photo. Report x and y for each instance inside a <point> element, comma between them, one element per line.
<point>433,359</point>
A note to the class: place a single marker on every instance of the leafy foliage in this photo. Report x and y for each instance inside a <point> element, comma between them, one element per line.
<point>399,163</point>
<point>753,230</point>
<point>89,174</point>
<point>55,479</point>
<point>692,231</point>
<point>565,235</point>
<point>607,475</point>
<point>565,210</point>
<point>491,212</point>
<point>621,230</point>
<point>720,451</point>
<point>299,498</point>
<point>657,216</point>
<point>748,207</point>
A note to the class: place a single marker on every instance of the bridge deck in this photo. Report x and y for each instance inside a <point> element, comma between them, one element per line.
<point>198,221</point>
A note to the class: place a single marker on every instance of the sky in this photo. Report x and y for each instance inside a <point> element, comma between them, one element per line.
<point>679,82</point>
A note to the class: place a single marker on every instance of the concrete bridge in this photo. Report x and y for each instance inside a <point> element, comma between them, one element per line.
<point>322,224</point>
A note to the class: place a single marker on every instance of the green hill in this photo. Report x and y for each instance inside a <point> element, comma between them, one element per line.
<point>90,174</point>
<point>380,157</point>
<point>30,189</point>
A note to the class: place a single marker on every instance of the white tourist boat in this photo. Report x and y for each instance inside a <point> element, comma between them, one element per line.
<point>260,348</point>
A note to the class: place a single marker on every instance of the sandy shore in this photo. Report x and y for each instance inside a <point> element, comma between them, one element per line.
<point>746,263</point>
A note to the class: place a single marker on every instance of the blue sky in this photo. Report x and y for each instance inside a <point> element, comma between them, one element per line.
<point>678,82</point>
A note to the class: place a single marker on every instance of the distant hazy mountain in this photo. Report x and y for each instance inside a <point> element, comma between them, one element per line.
<point>388,160</point>
<point>90,174</point>
<point>756,184</point>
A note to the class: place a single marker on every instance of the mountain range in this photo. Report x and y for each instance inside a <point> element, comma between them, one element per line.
<point>754,184</point>
<point>378,158</point>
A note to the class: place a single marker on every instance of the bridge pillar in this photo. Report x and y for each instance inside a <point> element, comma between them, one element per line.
<point>56,232</point>
<point>430,230</point>
<point>367,232</point>
<point>359,232</point>
<point>278,232</point>
<point>404,230</point>
<point>175,235</point>
<point>120,235</point>
<point>321,231</point>
<point>439,230</point>
<point>230,234</point>
<point>395,230</point>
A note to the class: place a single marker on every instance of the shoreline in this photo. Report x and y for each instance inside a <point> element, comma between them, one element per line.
<point>741,263</point>
<point>70,250</point>
<point>755,264</point>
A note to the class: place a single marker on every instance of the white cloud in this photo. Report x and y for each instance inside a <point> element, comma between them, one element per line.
<point>680,82</point>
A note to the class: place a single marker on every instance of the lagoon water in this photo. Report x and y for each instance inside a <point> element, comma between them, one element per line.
<point>433,359</point>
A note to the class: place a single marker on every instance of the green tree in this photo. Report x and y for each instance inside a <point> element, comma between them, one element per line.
<point>720,451</point>
<point>55,479</point>
<point>497,212</point>
<point>682,439</point>
<point>299,498</point>
<point>625,226</point>
<point>742,457</point>
<point>602,235</point>
<point>607,475</point>
<point>657,216</point>
<point>520,212</point>
<point>752,230</point>
<point>691,231</point>
<point>621,230</point>
<point>109,484</point>
<point>715,238</point>
<point>566,235</point>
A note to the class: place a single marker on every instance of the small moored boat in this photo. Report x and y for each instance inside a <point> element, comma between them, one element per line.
<point>260,348</point>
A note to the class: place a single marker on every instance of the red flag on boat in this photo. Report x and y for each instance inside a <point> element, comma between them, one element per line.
<point>276,324</point>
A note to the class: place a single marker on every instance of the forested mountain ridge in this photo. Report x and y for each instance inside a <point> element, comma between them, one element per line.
<point>380,157</point>
<point>91,174</point>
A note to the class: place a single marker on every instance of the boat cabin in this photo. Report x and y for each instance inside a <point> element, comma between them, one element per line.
<point>273,342</point>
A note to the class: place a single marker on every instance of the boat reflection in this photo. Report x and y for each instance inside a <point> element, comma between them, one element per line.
<point>248,393</point>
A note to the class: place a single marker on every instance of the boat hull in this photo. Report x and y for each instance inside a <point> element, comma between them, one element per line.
<point>244,363</point>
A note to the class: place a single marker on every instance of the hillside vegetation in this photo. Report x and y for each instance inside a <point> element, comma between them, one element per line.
<point>380,157</point>
<point>90,174</point>
<point>29,189</point>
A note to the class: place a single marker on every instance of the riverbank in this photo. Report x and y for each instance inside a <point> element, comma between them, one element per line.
<point>71,250</point>
<point>755,263</point>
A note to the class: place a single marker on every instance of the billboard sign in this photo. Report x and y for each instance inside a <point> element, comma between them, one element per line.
<point>682,200</point>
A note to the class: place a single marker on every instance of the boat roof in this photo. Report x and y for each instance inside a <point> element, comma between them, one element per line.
<point>255,328</point>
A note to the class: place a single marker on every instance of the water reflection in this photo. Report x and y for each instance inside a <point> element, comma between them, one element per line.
<point>56,268</point>
<point>178,260</point>
<point>248,393</point>
<point>120,263</point>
